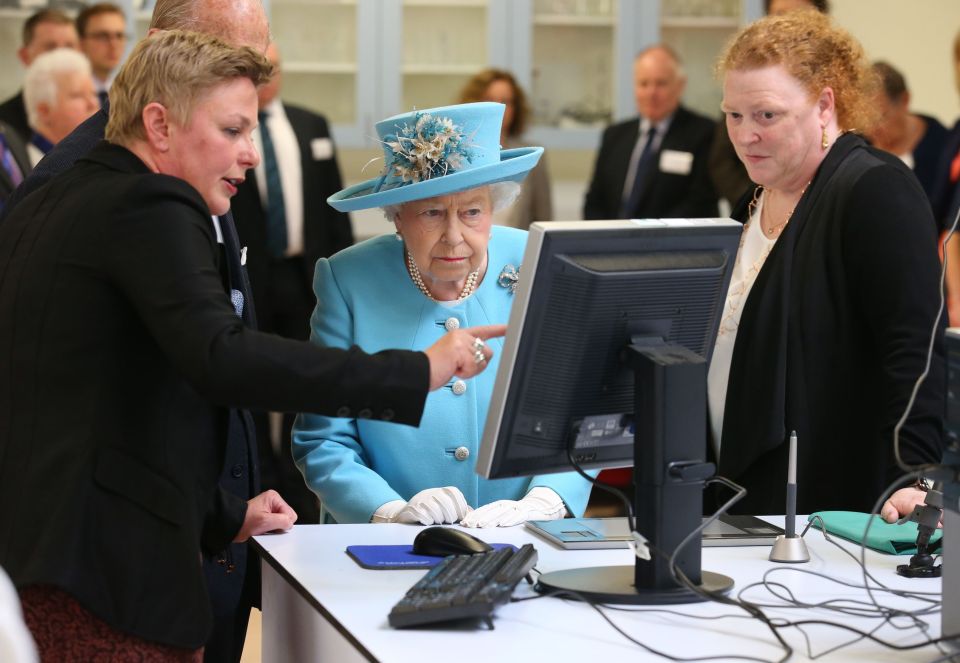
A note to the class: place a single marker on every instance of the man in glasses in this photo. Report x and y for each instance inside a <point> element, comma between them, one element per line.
<point>103,39</point>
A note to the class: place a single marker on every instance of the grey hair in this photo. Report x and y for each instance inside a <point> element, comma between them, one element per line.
<point>502,195</point>
<point>42,80</point>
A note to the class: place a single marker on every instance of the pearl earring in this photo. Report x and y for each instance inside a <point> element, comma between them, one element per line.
<point>398,236</point>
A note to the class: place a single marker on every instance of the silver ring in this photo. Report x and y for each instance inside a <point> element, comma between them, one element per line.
<point>478,344</point>
<point>479,357</point>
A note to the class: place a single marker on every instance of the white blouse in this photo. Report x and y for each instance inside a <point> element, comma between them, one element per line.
<point>753,252</point>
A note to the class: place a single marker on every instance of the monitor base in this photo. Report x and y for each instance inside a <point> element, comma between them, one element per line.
<point>615,584</point>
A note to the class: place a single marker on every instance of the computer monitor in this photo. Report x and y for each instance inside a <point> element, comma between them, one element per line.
<point>606,352</point>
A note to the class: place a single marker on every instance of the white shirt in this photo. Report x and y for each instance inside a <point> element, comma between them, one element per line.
<point>287,151</point>
<point>753,252</point>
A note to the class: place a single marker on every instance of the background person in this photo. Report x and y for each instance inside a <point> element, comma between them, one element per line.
<point>141,351</point>
<point>59,95</point>
<point>447,267</point>
<point>917,139</point>
<point>102,29</point>
<point>834,293</point>
<point>500,86</point>
<point>284,221</point>
<point>46,30</point>
<point>654,166</point>
<point>945,200</point>
<point>14,163</point>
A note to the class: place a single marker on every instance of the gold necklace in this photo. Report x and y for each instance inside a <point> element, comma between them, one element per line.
<point>468,287</point>
<point>773,231</point>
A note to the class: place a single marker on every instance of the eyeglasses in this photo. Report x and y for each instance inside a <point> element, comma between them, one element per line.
<point>107,36</point>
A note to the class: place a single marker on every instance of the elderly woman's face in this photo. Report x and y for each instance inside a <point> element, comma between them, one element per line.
<point>447,235</point>
<point>215,149</point>
<point>774,126</point>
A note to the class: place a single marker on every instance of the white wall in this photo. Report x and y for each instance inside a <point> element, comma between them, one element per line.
<point>916,37</point>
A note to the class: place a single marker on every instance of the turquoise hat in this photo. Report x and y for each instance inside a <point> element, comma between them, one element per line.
<point>438,151</point>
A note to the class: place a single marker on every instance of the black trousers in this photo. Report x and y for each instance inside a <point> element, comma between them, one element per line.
<point>286,311</point>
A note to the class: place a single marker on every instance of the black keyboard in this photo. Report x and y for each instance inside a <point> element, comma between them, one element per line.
<point>464,586</point>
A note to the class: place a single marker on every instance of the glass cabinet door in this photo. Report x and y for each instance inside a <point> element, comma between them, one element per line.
<point>698,30</point>
<point>573,62</point>
<point>318,47</point>
<point>444,43</point>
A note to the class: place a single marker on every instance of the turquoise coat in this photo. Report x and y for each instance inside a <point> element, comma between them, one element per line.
<point>365,297</point>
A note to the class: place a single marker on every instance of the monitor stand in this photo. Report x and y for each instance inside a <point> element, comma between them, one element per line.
<point>669,471</point>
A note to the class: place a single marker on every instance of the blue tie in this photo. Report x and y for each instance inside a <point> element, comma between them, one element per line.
<point>276,211</point>
<point>9,164</point>
<point>640,178</point>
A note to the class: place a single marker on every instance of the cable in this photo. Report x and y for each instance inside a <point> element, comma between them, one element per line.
<point>926,369</point>
<point>604,486</point>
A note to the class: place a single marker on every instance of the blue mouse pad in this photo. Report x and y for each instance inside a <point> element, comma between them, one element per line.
<point>398,556</point>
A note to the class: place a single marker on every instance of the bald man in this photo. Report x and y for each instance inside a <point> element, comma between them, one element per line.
<point>233,577</point>
<point>654,166</point>
<point>281,276</point>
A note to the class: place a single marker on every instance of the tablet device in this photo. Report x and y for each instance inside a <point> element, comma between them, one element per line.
<point>581,533</point>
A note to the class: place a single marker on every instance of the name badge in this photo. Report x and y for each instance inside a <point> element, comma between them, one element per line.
<point>675,162</point>
<point>321,148</point>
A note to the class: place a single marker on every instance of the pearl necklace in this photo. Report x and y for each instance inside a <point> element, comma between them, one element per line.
<point>468,287</point>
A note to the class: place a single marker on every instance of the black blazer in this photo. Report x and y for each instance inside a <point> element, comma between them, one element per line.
<point>13,113</point>
<point>832,338</point>
<point>119,354</point>
<point>240,476</point>
<point>325,230</point>
<point>80,141</point>
<point>945,195</point>
<point>667,195</point>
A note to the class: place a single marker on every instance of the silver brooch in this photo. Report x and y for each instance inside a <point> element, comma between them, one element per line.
<point>509,278</point>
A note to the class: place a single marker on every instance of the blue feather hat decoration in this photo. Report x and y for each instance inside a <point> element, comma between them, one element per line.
<point>438,151</point>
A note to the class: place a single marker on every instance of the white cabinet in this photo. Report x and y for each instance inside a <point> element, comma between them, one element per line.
<point>358,61</point>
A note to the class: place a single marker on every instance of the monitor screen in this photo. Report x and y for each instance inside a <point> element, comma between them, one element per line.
<point>587,290</point>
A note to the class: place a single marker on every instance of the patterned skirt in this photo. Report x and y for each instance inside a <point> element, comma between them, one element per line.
<point>67,632</point>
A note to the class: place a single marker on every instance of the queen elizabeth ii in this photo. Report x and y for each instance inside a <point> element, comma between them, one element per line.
<point>446,267</point>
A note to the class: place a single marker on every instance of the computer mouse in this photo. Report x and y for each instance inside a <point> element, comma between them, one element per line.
<point>443,541</point>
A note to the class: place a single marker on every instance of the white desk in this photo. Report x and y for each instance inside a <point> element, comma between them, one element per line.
<point>319,605</point>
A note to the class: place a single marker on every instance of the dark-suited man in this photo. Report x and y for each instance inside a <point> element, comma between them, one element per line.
<point>46,30</point>
<point>285,223</point>
<point>654,166</point>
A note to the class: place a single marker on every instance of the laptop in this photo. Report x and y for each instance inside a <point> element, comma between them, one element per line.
<point>584,533</point>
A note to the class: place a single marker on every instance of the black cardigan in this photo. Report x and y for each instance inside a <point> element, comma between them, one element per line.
<point>833,335</point>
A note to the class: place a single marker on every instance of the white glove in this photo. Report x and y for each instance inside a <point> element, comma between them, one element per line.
<point>539,504</point>
<point>433,506</point>
<point>387,512</point>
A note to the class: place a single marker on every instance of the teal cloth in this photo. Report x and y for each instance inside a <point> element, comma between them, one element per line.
<point>884,537</point>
